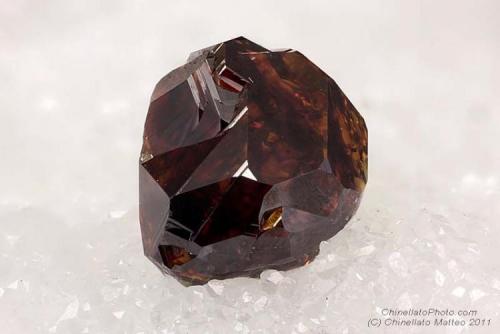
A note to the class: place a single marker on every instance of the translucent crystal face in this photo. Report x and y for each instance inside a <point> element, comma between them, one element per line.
<point>250,159</point>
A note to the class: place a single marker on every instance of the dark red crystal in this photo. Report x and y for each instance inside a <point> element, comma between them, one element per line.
<point>250,159</point>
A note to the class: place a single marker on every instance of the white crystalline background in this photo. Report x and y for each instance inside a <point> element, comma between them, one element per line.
<point>75,78</point>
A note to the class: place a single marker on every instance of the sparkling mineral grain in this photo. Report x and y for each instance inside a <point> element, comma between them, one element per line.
<point>250,159</point>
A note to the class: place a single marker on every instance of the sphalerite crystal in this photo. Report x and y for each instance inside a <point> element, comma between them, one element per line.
<point>250,159</point>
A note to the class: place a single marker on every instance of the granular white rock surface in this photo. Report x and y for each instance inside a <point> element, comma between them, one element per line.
<point>75,82</point>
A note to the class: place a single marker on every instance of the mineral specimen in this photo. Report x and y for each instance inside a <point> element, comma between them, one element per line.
<point>250,159</point>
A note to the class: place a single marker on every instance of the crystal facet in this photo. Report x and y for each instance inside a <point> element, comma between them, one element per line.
<point>250,159</point>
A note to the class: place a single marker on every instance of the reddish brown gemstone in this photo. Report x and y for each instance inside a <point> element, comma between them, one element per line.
<point>250,159</point>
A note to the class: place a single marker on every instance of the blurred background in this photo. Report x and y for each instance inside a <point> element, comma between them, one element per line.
<point>76,77</point>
